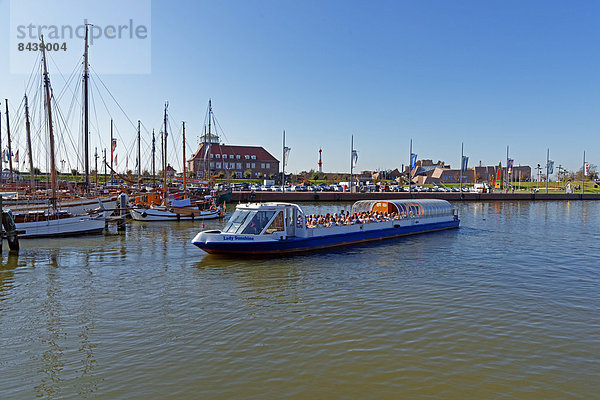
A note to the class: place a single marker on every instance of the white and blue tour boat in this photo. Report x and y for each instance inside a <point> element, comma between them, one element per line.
<point>277,228</point>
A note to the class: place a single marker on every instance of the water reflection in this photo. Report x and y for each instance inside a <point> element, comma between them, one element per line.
<point>51,363</point>
<point>7,272</point>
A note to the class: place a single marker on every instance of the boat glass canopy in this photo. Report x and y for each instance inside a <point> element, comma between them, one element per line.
<point>249,222</point>
<point>426,208</point>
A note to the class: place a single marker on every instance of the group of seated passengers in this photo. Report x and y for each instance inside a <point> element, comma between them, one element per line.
<point>345,218</point>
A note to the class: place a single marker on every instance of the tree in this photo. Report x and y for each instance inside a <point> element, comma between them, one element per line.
<point>247,174</point>
<point>74,172</point>
<point>292,178</point>
<point>232,174</point>
<point>477,178</point>
<point>272,176</point>
<point>315,176</point>
<point>259,175</point>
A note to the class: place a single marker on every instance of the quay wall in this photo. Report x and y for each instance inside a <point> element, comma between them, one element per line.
<point>261,196</point>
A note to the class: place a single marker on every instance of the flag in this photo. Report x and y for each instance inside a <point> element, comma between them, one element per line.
<point>586,171</point>
<point>126,161</point>
<point>413,161</point>
<point>550,167</point>
<point>286,155</point>
<point>17,157</point>
<point>113,146</point>
<point>116,162</point>
<point>6,155</point>
<point>465,163</point>
<point>509,166</point>
<point>354,158</point>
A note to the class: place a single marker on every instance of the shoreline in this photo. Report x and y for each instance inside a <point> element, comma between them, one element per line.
<point>247,196</point>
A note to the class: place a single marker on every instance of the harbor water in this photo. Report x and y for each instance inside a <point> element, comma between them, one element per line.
<point>507,306</point>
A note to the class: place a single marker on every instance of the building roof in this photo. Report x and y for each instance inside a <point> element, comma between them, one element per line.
<point>258,151</point>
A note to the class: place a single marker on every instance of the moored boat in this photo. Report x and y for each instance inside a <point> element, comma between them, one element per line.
<point>276,228</point>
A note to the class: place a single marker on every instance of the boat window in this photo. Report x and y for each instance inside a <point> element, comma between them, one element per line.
<point>258,222</point>
<point>276,225</point>
<point>237,220</point>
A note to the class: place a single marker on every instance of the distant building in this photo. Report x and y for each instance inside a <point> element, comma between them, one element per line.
<point>219,158</point>
<point>487,174</point>
<point>170,171</point>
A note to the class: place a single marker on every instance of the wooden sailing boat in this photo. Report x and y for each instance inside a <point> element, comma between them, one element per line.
<point>53,222</point>
<point>176,210</point>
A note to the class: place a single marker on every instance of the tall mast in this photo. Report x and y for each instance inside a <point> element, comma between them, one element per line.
<point>48,101</point>
<point>1,158</point>
<point>96,166</point>
<point>105,175</point>
<point>85,113</point>
<point>10,176</point>
<point>139,160</point>
<point>112,151</point>
<point>208,139</point>
<point>28,130</point>
<point>184,177</point>
<point>153,159</point>
<point>165,157</point>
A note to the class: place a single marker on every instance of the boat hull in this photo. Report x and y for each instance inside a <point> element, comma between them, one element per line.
<point>295,245</point>
<point>149,214</point>
<point>70,226</point>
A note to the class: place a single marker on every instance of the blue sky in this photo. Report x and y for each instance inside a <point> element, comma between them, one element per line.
<point>487,73</point>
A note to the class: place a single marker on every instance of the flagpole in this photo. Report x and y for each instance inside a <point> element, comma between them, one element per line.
<point>351,162</point>
<point>283,164</point>
<point>462,163</point>
<point>506,178</point>
<point>547,168</point>
<point>583,175</point>
<point>410,170</point>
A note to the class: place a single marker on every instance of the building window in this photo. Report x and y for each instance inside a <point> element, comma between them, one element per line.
<point>268,166</point>
<point>247,165</point>
<point>211,155</point>
<point>212,165</point>
<point>247,157</point>
<point>237,156</point>
<point>254,157</point>
<point>253,165</point>
<point>218,165</point>
<point>239,165</point>
<point>218,155</point>
<point>231,156</point>
<point>262,165</point>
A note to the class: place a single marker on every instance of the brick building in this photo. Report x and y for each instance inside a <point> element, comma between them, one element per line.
<point>220,158</point>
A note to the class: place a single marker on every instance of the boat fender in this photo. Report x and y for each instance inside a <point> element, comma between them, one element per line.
<point>192,215</point>
<point>396,226</point>
<point>178,217</point>
<point>316,197</point>
<point>144,214</point>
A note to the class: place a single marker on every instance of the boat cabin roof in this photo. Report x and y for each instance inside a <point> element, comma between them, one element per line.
<point>269,206</point>
<point>421,207</point>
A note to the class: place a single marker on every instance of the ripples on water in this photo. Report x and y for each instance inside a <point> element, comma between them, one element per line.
<point>506,306</point>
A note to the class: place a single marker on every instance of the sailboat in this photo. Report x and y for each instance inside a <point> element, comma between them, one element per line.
<point>177,209</point>
<point>52,221</point>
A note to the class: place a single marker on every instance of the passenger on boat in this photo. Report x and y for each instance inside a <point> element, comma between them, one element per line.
<point>345,218</point>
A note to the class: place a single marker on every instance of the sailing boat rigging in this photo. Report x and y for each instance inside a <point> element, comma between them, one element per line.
<point>54,222</point>
<point>176,210</point>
